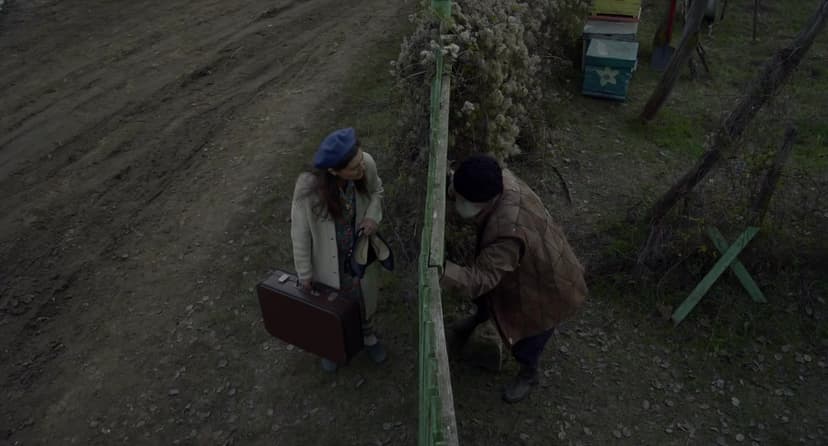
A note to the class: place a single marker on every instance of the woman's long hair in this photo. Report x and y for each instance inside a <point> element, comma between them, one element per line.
<point>326,188</point>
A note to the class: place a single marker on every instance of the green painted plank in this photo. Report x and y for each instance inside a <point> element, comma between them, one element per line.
<point>442,8</point>
<point>741,273</point>
<point>422,417</point>
<point>448,420</point>
<point>440,150</point>
<point>423,358</point>
<point>423,429</point>
<point>704,286</point>
<point>437,423</point>
<point>436,406</point>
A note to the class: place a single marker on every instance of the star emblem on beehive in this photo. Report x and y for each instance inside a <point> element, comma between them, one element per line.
<point>607,75</point>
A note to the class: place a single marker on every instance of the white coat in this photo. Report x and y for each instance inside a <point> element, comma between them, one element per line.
<point>315,255</point>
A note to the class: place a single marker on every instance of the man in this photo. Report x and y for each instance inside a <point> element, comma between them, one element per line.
<point>525,275</point>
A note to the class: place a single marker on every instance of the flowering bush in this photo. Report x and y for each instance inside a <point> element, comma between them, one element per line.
<point>502,54</point>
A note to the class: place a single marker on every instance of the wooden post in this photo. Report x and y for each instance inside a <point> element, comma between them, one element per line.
<point>435,263</point>
<point>707,282</point>
<point>437,424</point>
<point>760,205</point>
<point>738,269</point>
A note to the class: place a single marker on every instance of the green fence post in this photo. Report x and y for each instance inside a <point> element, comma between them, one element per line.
<point>442,8</point>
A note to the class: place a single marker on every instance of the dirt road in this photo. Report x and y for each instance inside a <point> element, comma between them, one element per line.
<point>140,144</point>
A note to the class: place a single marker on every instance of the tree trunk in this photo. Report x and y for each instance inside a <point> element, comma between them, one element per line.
<point>689,40</point>
<point>760,205</point>
<point>774,74</point>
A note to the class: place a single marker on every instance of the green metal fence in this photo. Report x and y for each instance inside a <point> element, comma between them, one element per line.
<point>437,425</point>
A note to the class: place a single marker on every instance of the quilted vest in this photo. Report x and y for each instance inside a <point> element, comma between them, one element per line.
<point>548,286</point>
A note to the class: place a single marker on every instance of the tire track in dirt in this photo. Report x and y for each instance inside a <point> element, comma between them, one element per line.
<point>60,101</point>
<point>110,187</point>
<point>204,121</point>
<point>230,56</point>
<point>136,25</point>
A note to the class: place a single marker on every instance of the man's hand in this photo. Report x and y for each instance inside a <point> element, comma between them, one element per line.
<point>447,279</point>
<point>368,226</point>
<point>306,284</point>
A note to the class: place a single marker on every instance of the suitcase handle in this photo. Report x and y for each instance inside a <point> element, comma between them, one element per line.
<point>314,292</point>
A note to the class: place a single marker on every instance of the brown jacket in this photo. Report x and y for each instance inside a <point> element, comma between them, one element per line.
<point>525,270</point>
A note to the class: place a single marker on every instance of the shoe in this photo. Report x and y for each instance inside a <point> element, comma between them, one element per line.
<point>377,353</point>
<point>458,333</point>
<point>360,255</point>
<point>382,252</point>
<point>520,387</point>
<point>329,366</point>
<point>365,250</point>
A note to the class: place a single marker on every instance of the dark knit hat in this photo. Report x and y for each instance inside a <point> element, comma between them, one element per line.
<point>478,179</point>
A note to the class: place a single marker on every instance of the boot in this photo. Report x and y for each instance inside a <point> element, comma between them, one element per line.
<point>520,387</point>
<point>458,333</point>
<point>377,353</point>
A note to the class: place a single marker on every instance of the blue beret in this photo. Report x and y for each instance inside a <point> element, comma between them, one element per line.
<point>334,148</point>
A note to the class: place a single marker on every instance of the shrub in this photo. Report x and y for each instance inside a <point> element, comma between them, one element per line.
<point>504,55</point>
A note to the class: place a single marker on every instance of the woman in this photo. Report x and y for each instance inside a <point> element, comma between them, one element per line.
<point>340,197</point>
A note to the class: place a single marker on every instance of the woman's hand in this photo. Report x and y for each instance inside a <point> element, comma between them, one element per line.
<point>306,284</point>
<point>368,226</point>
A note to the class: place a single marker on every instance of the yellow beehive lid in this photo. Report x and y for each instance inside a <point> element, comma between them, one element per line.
<point>617,7</point>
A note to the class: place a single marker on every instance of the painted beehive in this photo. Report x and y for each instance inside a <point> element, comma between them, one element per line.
<point>608,68</point>
<point>607,30</point>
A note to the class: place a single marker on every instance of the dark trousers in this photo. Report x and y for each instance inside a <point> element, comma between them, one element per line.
<point>526,351</point>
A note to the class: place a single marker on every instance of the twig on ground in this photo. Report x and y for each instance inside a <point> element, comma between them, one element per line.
<point>563,184</point>
<point>403,248</point>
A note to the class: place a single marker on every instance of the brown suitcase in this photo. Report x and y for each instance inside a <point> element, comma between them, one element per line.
<point>320,322</point>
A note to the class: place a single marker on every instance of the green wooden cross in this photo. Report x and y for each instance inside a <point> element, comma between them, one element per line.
<point>728,259</point>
